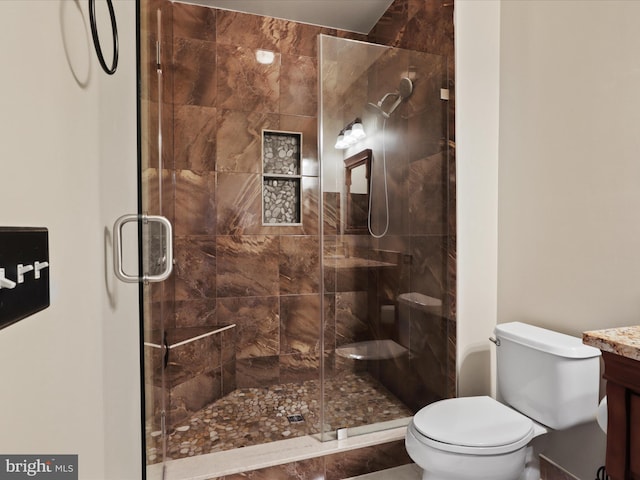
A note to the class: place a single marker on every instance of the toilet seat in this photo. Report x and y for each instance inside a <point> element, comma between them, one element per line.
<point>473,425</point>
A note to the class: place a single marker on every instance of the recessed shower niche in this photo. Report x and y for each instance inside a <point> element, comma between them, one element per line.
<point>281,178</point>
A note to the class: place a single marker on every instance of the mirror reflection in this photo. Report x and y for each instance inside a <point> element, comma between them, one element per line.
<point>357,171</point>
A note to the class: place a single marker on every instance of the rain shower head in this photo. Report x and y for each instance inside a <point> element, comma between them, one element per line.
<point>377,108</point>
<point>405,89</point>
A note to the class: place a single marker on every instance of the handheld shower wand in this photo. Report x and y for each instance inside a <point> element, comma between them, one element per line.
<point>405,89</point>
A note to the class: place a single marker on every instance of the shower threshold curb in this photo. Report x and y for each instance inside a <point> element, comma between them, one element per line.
<point>218,464</point>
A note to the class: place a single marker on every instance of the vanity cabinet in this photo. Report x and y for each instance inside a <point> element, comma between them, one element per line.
<point>623,424</point>
<point>621,354</point>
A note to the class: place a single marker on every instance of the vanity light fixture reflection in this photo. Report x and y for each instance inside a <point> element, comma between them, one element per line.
<point>265,57</point>
<point>350,135</point>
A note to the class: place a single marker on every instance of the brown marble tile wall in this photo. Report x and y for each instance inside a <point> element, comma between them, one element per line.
<point>417,175</point>
<point>230,268</point>
<point>216,101</point>
<point>196,373</point>
<point>333,467</point>
<point>423,26</point>
<point>427,26</point>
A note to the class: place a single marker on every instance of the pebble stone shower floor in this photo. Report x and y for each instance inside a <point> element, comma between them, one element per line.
<point>252,416</point>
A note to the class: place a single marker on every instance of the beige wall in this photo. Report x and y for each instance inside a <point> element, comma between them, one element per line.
<point>569,182</point>
<point>569,170</point>
<point>119,301</point>
<point>568,189</point>
<point>477,100</point>
<point>69,373</point>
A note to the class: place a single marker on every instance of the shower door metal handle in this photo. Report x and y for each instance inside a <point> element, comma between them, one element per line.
<point>117,248</point>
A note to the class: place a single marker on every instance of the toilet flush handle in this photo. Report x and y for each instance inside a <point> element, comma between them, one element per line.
<point>495,340</point>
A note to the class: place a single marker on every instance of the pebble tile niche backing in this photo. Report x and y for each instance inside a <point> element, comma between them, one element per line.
<point>281,178</point>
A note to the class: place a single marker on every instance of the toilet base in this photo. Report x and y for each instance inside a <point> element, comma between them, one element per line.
<point>531,469</point>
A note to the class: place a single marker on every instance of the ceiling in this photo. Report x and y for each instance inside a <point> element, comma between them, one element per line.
<point>352,15</point>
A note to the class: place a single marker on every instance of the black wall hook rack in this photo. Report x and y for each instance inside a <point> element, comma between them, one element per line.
<point>96,40</point>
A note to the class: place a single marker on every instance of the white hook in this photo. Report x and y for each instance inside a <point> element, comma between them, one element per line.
<point>22,269</point>
<point>39,266</point>
<point>5,282</point>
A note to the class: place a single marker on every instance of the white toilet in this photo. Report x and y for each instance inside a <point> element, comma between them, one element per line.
<point>542,376</point>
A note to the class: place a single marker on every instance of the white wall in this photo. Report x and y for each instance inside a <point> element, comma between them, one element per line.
<point>569,183</point>
<point>477,24</point>
<point>568,179</point>
<point>68,384</point>
<point>569,208</point>
<point>120,314</point>
<point>569,169</point>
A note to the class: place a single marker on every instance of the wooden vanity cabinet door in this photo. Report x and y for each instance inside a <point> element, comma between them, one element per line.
<point>623,425</point>
<point>634,435</point>
<point>616,430</point>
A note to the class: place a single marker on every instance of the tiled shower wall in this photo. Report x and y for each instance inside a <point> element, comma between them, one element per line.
<point>217,99</point>
<point>421,177</point>
<point>417,237</point>
<point>427,26</point>
<point>230,269</point>
<point>264,279</point>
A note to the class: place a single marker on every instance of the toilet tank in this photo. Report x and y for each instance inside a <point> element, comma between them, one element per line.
<point>548,376</point>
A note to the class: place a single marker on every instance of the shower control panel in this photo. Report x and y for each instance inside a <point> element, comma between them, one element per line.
<point>24,272</point>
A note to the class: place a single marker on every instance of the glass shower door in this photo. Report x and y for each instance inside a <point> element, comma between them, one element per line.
<point>387,337</point>
<point>156,193</point>
<point>241,317</point>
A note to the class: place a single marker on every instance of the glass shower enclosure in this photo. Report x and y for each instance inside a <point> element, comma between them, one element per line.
<point>309,293</point>
<point>385,210</point>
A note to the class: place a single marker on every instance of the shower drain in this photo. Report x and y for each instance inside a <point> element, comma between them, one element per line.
<point>295,418</point>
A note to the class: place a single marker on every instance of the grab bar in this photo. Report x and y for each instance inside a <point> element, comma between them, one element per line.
<point>192,339</point>
<point>166,347</point>
<point>204,335</point>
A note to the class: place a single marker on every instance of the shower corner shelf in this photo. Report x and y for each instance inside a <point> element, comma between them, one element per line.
<point>372,350</point>
<point>281,178</point>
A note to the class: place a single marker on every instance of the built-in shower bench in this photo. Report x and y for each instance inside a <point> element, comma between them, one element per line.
<point>192,361</point>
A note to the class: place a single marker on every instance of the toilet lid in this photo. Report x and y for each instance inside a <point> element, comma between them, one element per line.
<point>472,422</point>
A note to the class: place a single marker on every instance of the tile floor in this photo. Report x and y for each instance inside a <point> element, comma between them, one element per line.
<point>405,472</point>
<point>251,416</point>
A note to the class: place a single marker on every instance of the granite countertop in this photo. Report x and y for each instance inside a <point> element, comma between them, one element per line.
<point>624,341</point>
